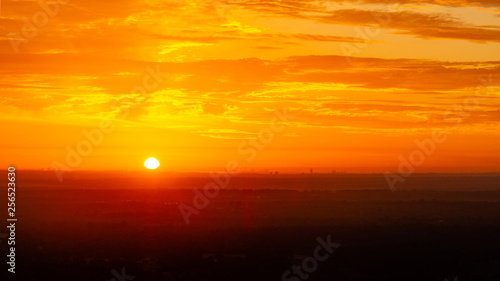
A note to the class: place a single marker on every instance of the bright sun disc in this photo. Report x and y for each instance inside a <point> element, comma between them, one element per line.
<point>152,163</point>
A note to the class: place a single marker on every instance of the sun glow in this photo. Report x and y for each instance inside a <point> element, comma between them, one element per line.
<point>152,163</point>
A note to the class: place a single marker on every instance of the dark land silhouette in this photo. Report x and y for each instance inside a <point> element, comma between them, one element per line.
<point>434,227</point>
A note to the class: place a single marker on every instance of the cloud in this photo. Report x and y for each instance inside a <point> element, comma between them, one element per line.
<point>226,134</point>
<point>423,25</point>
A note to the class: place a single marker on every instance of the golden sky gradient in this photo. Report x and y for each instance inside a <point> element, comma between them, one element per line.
<point>230,64</point>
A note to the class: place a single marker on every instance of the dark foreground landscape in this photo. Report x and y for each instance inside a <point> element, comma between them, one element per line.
<point>127,226</point>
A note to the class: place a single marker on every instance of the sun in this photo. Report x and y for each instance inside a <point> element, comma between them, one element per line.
<point>152,163</point>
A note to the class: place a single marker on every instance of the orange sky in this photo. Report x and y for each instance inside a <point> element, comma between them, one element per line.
<point>230,64</point>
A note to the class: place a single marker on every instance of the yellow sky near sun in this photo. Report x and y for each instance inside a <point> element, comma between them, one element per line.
<point>364,80</point>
